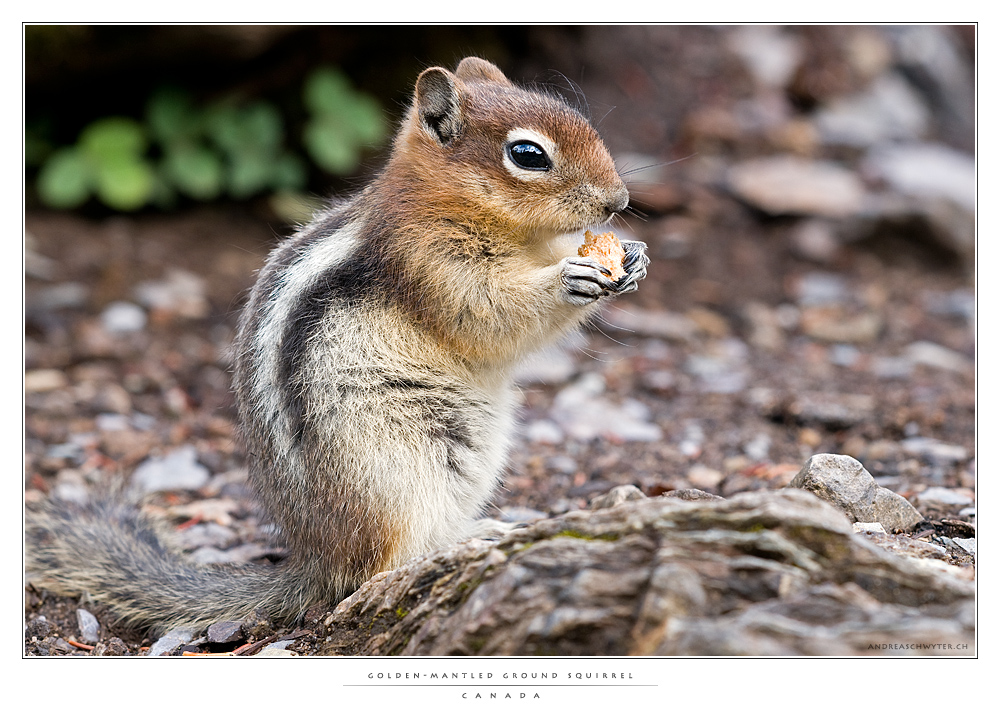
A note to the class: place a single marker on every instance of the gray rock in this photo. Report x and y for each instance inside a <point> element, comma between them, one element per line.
<point>844,483</point>
<point>771,55</point>
<point>545,431</point>
<point>585,415</point>
<point>868,528</point>
<point>121,318</point>
<point>925,353</point>
<point>934,451</point>
<point>721,368</point>
<point>180,292</point>
<point>939,496</point>
<point>763,327</point>
<point>840,324</point>
<point>225,632</point>
<point>770,573</point>
<point>44,380</point>
<point>114,647</point>
<point>815,240</point>
<point>38,628</point>
<point>891,367</point>
<point>616,496</point>
<point>61,295</point>
<point>520,514</point>
<point>90,629</point>
<point>966,544</point>
<point>959,303</point>
<point>834,410</point>
<point>893,511</point>
<point>170,641</point>
<point>257,624</point>
<point>692,494</point>
<point>276,650</point>
<point>926,171</point>
<point>821,289</point>
<point>940,67</point>
<point>177,470</point>
<point>889,110</point>
<point>844,355</point>
<point>788,185</point>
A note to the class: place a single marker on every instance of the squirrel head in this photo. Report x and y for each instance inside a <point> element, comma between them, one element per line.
<point>501,155</point>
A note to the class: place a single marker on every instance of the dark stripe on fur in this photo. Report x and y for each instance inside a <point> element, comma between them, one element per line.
<point>357,278</point>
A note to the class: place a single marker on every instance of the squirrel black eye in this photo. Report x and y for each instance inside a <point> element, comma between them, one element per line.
<point>528,155</point>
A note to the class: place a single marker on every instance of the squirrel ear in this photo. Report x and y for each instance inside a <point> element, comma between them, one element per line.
<point>437,101</point>
<point>473,68</point>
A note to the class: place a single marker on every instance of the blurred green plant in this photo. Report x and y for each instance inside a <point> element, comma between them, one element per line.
<point>226,148</point>
<point>342,121</point>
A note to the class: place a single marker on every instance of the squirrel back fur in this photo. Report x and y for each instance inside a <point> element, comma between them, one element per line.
<point>374,357</point>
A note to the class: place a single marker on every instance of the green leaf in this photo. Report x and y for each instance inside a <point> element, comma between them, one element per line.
<point>326,89</point>
<point>289,172</point>
<point>113,136</point>
<point>171,116</point>
<point>257,127</point>
<point>261,126</point>
<point>223,126</point>
<point>195,170</point>
<point>364,117</point>
<point>249,173</point>
<point>64,180</point>
<point>124,183</point>
<point>330,145</point>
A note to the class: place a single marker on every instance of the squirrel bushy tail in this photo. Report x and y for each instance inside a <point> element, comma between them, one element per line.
<point>110,551</point>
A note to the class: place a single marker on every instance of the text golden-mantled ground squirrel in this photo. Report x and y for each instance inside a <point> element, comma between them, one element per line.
<point>374,357</point>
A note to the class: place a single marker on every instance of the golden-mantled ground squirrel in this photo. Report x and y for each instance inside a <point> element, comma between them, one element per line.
<point>374,358</point>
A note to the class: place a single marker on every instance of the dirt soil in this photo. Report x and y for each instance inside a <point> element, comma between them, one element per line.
<point>100,401</point>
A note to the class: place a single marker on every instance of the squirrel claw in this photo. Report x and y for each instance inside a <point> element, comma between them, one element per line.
<point>635,264</point>
<point>586,280</point>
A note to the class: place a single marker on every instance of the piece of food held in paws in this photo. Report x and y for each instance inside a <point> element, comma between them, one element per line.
<point>607,250</point>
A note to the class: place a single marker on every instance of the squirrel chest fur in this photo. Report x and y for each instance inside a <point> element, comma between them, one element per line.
<point>374,356</point>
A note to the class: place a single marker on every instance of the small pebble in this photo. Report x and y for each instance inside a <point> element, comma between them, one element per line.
<point>121,317</point>
<point>179,469</point>
<point>275,651</point>
<point>544,431</point>
<point>944,496</point>
<point>44,380</point>
<point>966,544</point>
<point>703,477</point>
<point>520,514</point>
<point>933,450</point>
<point>173,639</point>
<point>90,629</point>
<point>868,528</point>
<point>225,632</point>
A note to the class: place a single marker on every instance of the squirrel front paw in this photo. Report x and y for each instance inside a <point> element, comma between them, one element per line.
<point>634,264</point>
<point>584,280</point>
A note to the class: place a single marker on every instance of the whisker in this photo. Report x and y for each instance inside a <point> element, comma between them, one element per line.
<point>600,330</point>
<point>655,165</point>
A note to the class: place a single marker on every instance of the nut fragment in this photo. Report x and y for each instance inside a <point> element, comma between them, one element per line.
<point>606,250</point>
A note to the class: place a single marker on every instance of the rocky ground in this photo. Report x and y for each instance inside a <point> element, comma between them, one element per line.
<point>810,219</point>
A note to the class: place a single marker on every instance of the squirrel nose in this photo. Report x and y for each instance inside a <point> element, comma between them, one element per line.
<point>618,202</point>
